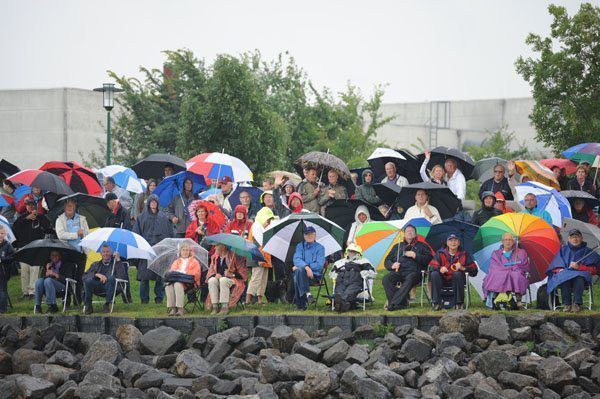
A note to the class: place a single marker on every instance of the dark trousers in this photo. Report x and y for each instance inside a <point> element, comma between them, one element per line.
<point>572,291</point>
<point>349,285</point>
<point>159,290</point>
<point>398,297</point>
<point>3,294</point>
<point>93,286</point>
<point>457,283</point>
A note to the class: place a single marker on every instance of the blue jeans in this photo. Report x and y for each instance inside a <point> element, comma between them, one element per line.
<point>93,286</point>
<point>159,290</point>
<point>3,295</point>
<point>574,288</point>
<point>301,287</point>
<point>47,286</point>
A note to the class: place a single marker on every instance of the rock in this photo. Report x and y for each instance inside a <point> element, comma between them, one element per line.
<point>233,336</point>
<point>522,333</point>
<point>458,392</point>
<point>135,393</point>
<point>393,341</point>
<point>369,389</point>
<point>572,328</point>
<point>224,387</point>
<point>299,366</point>
<point>153,378</point>
<point>576,357</point>
<point>105,348</point>
<point>67,390</point>
<point>220,351</point>
<point>451,339</point>
<point>161,341</point>
<point>516,381</point>
<point>495,327</point>
<point>199,343</point>
<point>53,346</point>
<point>327,343</point>
<point>533,320</point>
<point>485,391</point>
<point>454,353</point>
<point>53,331</point>
<point>493,362</point>
<point>366,331</point>
<point>172,383</point>
<point>51,372</point>
<point>5,363</point>
<point>307,350</point>
<point>96,377</point>
<point>252,345</point>
<point>423,337</point>
<point>9,388</point>
<point>95,391</point>
<point>336,353</point>
<point>128,336</point>
<point>358,354</point>
<point>131,371</point>
<point>588,385</point>
<point>105,367</point>
<point>33,387</point>
<point>63,358</point>
<point>205,382</point>
<point>350,377</point>
<point>415,350</point>
<point>462,322</point>
<point>283,338</point>
<point>165,361</point>
<point>235,363</point>
<point>273,369</point>
<point>554,372</point>
<point>189,364</point>
<point>262,331</point>
<point>405,392</point>
<point>300,335</point>
<point>403,330</point>
<point>23,358</point>
<point>386,377</point>
<point>550,332</point>
<point>318,382</point>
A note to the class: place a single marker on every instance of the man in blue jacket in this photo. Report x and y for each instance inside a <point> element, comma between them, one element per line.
<point>309,260</point>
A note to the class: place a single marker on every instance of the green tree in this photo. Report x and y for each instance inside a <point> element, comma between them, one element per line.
<point>498,144</point>
<point>565,78</point>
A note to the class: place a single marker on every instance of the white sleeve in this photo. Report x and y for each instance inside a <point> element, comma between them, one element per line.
<point>423,171</point>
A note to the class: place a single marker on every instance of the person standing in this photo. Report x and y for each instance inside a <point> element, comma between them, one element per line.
<point>202,225</point>
<point>222,198</point>
<point>119,216</point>
<point>422,209</point>
<point>333,191</point>
<point>240,224</point>
<point>246,202</point>
<point>7,256</point>
<point>488,209</point>
<point>140,203</point>
<point>437,172</point>
<point>177,211</point>
<point>532,208</point>
<point>497,184</point>
<point>123,195</point>
<point>582,182</point>
<point>310,190</point>
<point>70,226</point>
<point>455,179</point>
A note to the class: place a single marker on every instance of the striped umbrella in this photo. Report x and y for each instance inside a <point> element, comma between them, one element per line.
<point>111,170</point>
<point>548,198</point>
<point>562,163</point>
<point>10,236</point>
<point>215,165</point>
<point>128,244</point>
<point>129,182</point>
<point>44,180</point>
<point>584,152</point>
<point>78,177</point>
<point>537,172</point>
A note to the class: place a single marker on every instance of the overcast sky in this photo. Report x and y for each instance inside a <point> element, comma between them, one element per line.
<point>424,50</point>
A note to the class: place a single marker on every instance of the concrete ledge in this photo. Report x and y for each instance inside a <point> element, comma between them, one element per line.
<point>109,324</point>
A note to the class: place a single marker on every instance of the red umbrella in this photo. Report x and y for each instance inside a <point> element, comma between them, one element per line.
<point>214,212</point>
<point>78,177</point>
<point>43,180</point>
<point>567,164</point>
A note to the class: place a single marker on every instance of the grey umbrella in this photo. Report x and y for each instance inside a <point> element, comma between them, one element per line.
<point>323,162</point>
<point>590,233</point>
<point>167,251</point>
<point>484,168</point>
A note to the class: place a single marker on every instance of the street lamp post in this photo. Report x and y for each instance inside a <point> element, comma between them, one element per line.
<point>108,101</point>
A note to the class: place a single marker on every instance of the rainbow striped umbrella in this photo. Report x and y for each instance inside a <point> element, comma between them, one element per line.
<point>377,238</point>
<point>537,172</point>
<point>215,165</point>
<point>584,152</point>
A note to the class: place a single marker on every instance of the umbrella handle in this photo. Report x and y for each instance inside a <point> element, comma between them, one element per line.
<point>323,170</point>
<point>219,171</point>
<point>591,252</point>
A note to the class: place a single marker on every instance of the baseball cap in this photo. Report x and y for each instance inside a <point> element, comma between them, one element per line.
<point>309,230</point>
<point>575,232</point>
<point>225,179</point>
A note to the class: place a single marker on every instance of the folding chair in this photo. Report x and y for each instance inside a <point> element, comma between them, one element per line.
<point>196,297</point>
<point>445,289</point>
<point>554,295</point>
<point>321,283</point>
<point>364,297</point>
<point>121,284</point>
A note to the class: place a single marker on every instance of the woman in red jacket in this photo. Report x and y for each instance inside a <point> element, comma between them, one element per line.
<point>202,224</point>
<point>240,224</point>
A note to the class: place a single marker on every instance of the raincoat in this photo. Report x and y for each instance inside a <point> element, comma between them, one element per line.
<point>301,207</point>
<point>179,208</point>
<point>366,192</point>
<point>236,265</point>
<point>239,227</point>
<point>507,274</point>
<point>558,271</point>
<point>210,227</point>
<point>486,213</point>
<point>119,218</point>
<point>310,199</point>
<point>442,258</point>
<point>357,225</point>
<point>587,215</point>
<point>192,268</point>
<point>539,212</point>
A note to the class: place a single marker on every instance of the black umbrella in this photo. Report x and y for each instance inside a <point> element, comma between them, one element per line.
<point>7,168</point>
<point>440,197</point>
<point>153,166</point>
<point>93,208</point>
<point>412,167</point>
<point>38,252</point>
<point>439,155</point>
<point>407,164</point>
<point>341,212</point>
<point>387,192</point>
<point>573,195</point>
<point>465,231</point>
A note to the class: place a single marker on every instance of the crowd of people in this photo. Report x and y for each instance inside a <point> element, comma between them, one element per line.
<point>229,279</point>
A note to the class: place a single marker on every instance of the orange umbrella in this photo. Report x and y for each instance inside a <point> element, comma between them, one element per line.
<point>537,172</point>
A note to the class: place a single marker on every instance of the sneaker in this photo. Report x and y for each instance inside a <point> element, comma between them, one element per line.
<point>575,308</point>
<point>309,298</point>
<point>437,307</point>
<point>37,309</point>
<point>52,308</point>
<point>567,308</point>
<point>215,311</point>
<point>158,301</point>
<point>106,307</point>
<point>224,310</point>
<point>89,310</point>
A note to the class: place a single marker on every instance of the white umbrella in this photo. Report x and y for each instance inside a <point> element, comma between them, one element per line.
<point>549,198</point>
<point>128,244</point>
<point>10,236</point>
<point>385,153</point>
<point>111,170</point>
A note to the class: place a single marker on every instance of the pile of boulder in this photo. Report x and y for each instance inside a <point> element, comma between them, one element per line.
<point>465,356</point>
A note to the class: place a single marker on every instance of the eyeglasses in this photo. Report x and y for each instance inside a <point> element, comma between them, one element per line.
<point>498,171</point>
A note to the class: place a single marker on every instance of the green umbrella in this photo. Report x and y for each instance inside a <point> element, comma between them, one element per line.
<point>237,244</point>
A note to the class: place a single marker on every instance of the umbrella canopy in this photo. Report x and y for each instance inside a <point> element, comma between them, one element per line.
<point>167,251</point>
<point>440,154</point>
<point>465,231</point>
<point>129,182</point>
<point>255,193</point>
<point>21,191</point>
<point>10,236</point>
<point>8,169</point>
<point>211,191</point>
<point>377,238</point>
<point>387,192</point>
<point>562,163</point>
<point>440,197</point>
<point>93,208</point>
<point>128,244</point>
<point>324,162</point>
<point>532,233</point>
<point>380,157</point>
<point>38,252</point>
<point>172,186</point>
<point>44,180</point>
<point>584,152</point>
<point>281,238</point>
<point>537,172</point>
<point>237,244</point>
<point>6,200</point>
<point>341,212</point>
<point>294,178</point>
<point>548,198</point>
<point>215,165</point>
<point>111,170</point>
<point>214,211</point>
<point>411,168</point>
<point>573,195</point>
<point>153,166</point>
<point>484,168</point>
<point>78,177</point>
<point>590,233</point>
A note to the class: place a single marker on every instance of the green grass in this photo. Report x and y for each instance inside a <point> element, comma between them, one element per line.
<point>23,307</point>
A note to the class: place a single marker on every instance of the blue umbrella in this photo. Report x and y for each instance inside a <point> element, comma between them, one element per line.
<point>21,191</point>
<point>213,191</point>
<point>172,186</point>
<point>549,199</point>
<point>128,244</point>
<point>255,193</point>
<point>439,233</point>
<point>129,181</point>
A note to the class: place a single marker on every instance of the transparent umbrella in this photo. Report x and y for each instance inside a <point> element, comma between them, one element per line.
<point>168,250</point>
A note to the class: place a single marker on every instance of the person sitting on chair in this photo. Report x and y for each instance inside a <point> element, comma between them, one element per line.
<point>508,270</point>
<point>100,279</point>
<point>185,265</point>
<point>449,265</point>
<point>309,259</point>
<point>226,270</point>
<point>571,270</point>
<point>348,274</point>
<point>55,274</point>
<point>405,262</point>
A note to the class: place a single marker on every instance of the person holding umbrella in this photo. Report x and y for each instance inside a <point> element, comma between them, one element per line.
<point>177,209</point>
<point>422,209</point>
<point>332,191</point>
<point>7,255</point>
<point>100,278</point>
<point>308,260</point>
<point>9,211</point>
<point>36,197</point>
<point>309,190</point>
<point>53,282</point>
<point>448,267</point>
<point>571,270</point>
<point>488,208</point>
<point>404,263</point>
<point>226,270</point>
<point>498,183</point>
<point>437,172</point>
<point>392,177</point>
<point>366,192</point>
<point>70,226</point>
<point>29,227</point>
<point>222,198</point>
<point>154,225</point>
<point>188,265</point>
<point>203,222</point>
<point>532,208</point>
<point>140,203</point>
<point>123,195</point>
